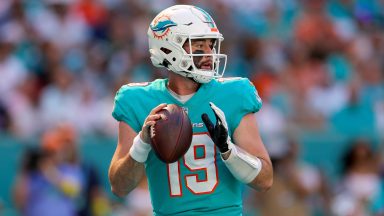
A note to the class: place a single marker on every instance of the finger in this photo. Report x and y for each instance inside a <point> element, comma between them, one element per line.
<point>154,117</point>
<point>158,108</point>
<point>218,120</point>
<point>150,123</point>
<point>219,114</point>
<point>208,123</point>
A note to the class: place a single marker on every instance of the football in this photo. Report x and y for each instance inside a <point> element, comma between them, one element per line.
<point>171,137</point>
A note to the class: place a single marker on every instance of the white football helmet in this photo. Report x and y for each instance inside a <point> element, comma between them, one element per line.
<point>168,32</point>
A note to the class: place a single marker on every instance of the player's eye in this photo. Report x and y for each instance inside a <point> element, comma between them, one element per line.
<point>212,43</point>
<point>199,45</point>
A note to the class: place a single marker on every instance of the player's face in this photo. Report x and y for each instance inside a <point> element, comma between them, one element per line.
<point>201,46</point>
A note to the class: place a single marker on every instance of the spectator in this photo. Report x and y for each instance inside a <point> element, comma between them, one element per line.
<point>46,181</point>
<point>12,70</point>
<point>360,180</point>
<point>59,24</point>
<point>24,109</point>
<point>299,189</point>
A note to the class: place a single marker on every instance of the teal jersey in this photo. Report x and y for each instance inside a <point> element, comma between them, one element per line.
<point>199,183</point>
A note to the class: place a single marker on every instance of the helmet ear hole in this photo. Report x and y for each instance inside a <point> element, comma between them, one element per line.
<point>165,50</point>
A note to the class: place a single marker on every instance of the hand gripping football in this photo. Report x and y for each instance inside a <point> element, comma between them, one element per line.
<point>171,137</point>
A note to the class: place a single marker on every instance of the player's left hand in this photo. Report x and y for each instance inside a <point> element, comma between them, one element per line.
<point>218,132</point>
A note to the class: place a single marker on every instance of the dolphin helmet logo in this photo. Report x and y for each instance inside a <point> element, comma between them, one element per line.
<point>160,26</point>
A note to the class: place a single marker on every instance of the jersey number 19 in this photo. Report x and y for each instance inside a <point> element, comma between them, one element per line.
<point>205,162</point>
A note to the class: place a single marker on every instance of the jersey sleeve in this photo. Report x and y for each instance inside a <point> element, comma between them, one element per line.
<point>123,109</point>
<point>249,101</point>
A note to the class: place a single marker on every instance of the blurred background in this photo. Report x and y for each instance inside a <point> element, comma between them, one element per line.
<point>318,66</point>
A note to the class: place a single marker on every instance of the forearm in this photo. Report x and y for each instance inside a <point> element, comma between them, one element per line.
<point>264,179</point>
<point>124,175</point>
<point>249,169</point>
<point>127,164</point>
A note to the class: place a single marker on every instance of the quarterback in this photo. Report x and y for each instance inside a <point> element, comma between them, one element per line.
<point>226,151</point>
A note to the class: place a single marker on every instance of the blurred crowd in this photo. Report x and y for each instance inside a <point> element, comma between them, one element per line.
<point>54,180</point>
<point>318,65</point>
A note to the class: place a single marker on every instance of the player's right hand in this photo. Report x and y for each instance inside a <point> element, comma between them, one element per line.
<point>151,119</point>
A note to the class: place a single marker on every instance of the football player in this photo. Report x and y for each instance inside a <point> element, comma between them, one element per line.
<point>224,155</point>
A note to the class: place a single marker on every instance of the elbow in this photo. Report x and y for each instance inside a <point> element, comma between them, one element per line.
<point>117,190</point>
<point>262,185</point>
<point>119,193</point>
<point>266,185</point>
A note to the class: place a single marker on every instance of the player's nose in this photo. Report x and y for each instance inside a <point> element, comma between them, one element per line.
<point>207,49</point>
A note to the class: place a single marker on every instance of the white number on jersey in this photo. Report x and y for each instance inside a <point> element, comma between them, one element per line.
<point>205,163</point>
